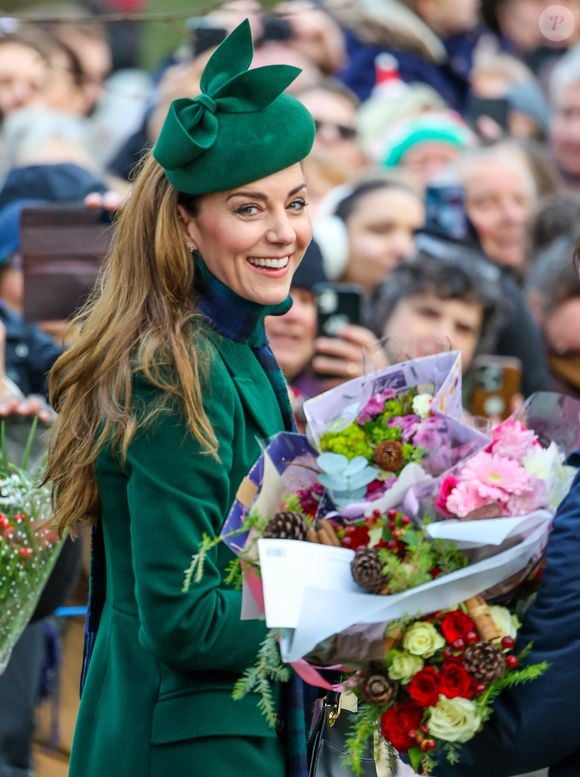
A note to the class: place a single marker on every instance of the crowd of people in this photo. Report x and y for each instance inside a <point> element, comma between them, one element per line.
<point>443,184</point>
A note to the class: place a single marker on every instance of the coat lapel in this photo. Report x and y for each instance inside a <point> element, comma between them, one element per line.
<point>253,386</point>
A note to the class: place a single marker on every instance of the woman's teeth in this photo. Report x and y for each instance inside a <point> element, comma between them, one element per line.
<point>274,264</point>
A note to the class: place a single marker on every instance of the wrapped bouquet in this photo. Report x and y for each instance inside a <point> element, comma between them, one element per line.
<point>349,552</point>
<point>28,547</point>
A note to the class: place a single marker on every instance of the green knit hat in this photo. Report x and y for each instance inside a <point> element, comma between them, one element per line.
<point>242,127</point>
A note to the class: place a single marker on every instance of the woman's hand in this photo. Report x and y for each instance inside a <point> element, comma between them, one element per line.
<point>351,354</point>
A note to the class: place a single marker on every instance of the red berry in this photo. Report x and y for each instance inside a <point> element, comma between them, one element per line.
<point>392,544</point>
<point>471,638</point>
<point>405,520</point>
<point>508,643</point>
<point>412,734</point>
<point>391,514</point>
<point>423,728</point>
<point>398,533</point>
<point>392,526</point>
<point>427,744</point>
<point>480,687</point>
<point>511,661</point>
<point>447,652</point>
<point>458,644</point>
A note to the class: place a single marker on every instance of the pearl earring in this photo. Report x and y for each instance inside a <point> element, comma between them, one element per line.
<point>190,248</point>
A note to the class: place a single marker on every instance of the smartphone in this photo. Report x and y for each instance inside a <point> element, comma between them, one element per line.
<point>445,213</point>
<point>204,33</point>
<point>496,108</point>
<point>496,379</point>
<point>337,304</point>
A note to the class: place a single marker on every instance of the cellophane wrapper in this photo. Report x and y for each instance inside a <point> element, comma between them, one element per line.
<point>28,551</point>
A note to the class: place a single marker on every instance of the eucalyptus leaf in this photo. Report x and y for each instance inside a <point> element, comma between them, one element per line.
<point>332,462</point>
<point>355,465</point>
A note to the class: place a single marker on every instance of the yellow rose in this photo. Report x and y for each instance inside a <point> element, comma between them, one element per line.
<point>423,639</point>
<point>403,666</point>
<point>454,720</point>
<point>507,623</point>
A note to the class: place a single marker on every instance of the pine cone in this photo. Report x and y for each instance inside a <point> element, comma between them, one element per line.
<point>484,661</point>
<point>376,687</point>
<point>367,570</point>
<point>388,455</point>
<point>286,525</point>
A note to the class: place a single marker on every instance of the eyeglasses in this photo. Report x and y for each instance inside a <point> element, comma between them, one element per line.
<point>343,131</point>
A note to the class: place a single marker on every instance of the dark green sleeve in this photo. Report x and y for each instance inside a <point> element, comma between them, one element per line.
<point>176,493</point>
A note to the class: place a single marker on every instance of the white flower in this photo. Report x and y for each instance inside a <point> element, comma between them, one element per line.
<point>404,666</point>
<point>507,623</point>
<point>422,404</point>
<point>454,720</point>
<point>548,465</point>
<point>423,639</point>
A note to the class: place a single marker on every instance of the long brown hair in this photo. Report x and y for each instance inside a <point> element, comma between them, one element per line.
<point>141,317</point>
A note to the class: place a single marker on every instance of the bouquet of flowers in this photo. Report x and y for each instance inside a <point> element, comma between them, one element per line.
<point>512,487</point>
<point>393,421</point>
<point>28,547</point>
<point>376,598</point>
<point>434,688</point>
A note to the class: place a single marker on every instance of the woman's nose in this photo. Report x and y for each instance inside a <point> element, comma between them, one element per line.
<point>281,231</point>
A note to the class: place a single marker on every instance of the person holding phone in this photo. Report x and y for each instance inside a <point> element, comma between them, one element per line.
<point>163,403</point>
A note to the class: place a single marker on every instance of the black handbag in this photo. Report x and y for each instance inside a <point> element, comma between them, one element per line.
<point>328,742</point>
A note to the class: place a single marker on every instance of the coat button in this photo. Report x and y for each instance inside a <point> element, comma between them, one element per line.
<point>21,350</point>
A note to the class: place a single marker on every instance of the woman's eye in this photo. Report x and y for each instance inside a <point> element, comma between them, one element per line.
<point>298,204</point>
<point>247,210</point>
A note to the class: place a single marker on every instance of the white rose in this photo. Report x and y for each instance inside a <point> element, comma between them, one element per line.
<point>454,720</point>
<point>404,666</point>
<point>507,623</point>
<point>423,639</point>
<point>422,404</point>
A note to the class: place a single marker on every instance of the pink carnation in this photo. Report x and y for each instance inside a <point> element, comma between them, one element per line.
<point>496,476</point>
<point>464,499</point>
<point>533,498</point>
<point>511,438</point>
<point>375,405</point>
<point>448,483</point>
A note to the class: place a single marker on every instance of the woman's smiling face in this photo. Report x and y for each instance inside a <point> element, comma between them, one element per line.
<point>253,238</point>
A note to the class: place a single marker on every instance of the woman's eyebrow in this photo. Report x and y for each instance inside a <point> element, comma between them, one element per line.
<point>261,195</point>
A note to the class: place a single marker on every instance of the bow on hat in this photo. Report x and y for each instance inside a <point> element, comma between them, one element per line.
<point>227,86</point>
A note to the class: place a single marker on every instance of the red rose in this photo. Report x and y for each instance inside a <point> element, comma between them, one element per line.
<point>424,687</point>
<point>455,681</point>
<point>398,721</point>
<point>455,625</point>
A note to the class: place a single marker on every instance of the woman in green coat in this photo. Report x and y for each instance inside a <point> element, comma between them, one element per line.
<point>163,404</point>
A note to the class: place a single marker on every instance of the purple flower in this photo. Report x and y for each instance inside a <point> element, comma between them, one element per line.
<point>407,424</point>
<point>375,405</point>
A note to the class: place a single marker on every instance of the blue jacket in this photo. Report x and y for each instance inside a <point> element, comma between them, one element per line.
<point>450,79</point>
<point>537,725</point>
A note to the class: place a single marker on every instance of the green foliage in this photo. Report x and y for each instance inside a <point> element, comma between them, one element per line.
<point>350,442</point>
<point>365,724</point>
<point>515,677</point>
<point>234,576</point>
<point>258,678</point>
<point>422,556</point>
<point>194,572</point>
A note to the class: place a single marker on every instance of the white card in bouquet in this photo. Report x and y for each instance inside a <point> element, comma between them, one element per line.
<point>289,568</point>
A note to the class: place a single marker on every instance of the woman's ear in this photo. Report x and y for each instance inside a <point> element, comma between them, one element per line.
<point>187,222</point>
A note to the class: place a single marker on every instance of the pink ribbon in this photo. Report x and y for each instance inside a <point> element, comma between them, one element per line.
<point>312,676</point>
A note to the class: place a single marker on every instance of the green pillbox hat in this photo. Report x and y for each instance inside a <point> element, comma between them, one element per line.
<point>242,127</point>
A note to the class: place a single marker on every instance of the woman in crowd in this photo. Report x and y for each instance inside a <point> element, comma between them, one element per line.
<point>429,298</point>
<point>369,229</point>
<point>162,405</point>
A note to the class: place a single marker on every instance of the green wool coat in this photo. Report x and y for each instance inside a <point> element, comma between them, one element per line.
<point>157,699</point>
